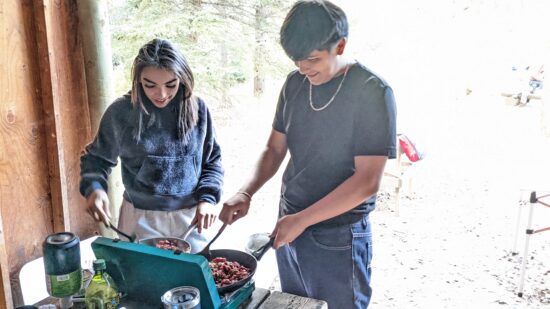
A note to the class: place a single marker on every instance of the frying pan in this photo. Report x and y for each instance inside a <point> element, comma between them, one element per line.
<point>248,260</point>
<point>243,258</point>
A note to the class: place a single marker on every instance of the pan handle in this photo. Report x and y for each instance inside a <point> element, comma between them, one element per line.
<point>189,230</point>
<point>259,253</point>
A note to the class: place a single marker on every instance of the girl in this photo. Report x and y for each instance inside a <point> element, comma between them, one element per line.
<point>164,137</point>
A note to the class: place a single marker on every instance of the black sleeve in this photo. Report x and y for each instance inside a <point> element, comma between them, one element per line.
<point>209,188</point>
<point>375,121</point>
<point>100,156</point>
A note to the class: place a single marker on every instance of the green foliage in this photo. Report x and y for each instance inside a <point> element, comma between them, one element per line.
<point>217,37</point>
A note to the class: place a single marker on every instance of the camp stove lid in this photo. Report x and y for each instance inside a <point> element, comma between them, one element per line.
<point>145,273</point>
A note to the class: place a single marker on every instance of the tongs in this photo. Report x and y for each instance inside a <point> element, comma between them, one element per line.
<point>206,251</point>
<point>112,226</point>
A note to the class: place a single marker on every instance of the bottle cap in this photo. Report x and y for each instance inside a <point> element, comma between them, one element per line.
<point>99,264</point>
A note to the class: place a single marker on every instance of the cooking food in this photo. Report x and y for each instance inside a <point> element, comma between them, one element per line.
<point>227,272</point>
<point>167,244</point>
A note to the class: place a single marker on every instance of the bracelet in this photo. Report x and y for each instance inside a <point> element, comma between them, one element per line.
<point>245,194</point>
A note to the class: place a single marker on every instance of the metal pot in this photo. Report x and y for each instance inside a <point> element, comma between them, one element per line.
<point>182,245</point>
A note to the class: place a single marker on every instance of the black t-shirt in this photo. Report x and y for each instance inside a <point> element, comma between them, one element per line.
<point>360,121</point>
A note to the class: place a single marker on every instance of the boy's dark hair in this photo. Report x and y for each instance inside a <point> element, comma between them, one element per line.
<point>312,25</point>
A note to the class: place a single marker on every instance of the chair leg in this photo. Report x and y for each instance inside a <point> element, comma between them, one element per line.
<point>398,195</point>
<point>528,233</point>
<point>518,220</point>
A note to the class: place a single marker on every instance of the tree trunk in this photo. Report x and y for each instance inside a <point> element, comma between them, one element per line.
<point>259,50</point>
<point>225,78</point>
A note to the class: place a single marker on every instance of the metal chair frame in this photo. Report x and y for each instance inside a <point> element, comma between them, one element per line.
<point>533,200</point>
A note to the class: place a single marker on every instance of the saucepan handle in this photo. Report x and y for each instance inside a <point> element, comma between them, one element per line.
<point>189,230</point>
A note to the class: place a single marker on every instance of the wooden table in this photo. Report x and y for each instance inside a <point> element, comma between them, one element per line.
<point>261,299</point>
<point>264,299</point>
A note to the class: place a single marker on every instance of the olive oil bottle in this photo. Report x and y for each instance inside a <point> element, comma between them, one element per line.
<point>102,292</point>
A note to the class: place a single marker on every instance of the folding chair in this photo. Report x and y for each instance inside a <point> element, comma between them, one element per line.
<point>407,155</point>
<point>533,200</point>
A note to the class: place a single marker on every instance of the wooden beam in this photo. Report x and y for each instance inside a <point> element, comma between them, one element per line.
<point>44,125</point>
<point>24,192</point>
<point>66,114</point>
<point>96,42</point>
<point>49,50</point>
<point>6,300</point>
<point>5,287</point>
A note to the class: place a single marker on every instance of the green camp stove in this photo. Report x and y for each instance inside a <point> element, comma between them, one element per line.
<point>143,273</point>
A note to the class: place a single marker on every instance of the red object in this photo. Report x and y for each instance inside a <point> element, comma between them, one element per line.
<point>408,147</point>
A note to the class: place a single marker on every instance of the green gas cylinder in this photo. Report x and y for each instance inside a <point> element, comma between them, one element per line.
<point>62,264</point>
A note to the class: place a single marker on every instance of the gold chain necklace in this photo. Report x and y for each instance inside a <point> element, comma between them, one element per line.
<point>333,96</point>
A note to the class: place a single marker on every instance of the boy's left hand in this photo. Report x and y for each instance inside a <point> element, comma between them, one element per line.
<point>287,229</point>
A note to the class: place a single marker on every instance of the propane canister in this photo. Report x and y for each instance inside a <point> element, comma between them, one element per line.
<point>62,264</point>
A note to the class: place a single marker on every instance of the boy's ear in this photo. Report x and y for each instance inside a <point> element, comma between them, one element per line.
<point>341,46</point>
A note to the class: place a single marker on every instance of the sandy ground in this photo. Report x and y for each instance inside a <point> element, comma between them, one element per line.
<point>450,245</point>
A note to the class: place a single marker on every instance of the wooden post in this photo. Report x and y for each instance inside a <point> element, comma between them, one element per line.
<point>96,47</point>
<point>44,124</point>
<point>5,285</point>
<point>48,49</point>
<point>66,114</point>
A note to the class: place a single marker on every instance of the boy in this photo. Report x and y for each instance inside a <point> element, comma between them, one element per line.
<point>337,120</point>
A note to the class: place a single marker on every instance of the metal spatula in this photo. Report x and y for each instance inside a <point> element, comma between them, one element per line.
<point>206,251</point>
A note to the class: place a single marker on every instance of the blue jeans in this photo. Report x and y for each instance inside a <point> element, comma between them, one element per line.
<point>331,264</point>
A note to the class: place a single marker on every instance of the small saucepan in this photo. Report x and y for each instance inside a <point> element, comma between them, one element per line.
<point>160,241</point>
<point>175,242</point>
<point>170,243</point>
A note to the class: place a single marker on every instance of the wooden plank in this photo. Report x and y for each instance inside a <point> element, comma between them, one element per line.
<point>278,300</point>
<point>24,192</point>
<point>50,49</point>
<point>75,118</point>
<point>44,124</point>
<point>5,285</point>
<point>258,296</point>
<point>5,288</point>
<point>65,110</point>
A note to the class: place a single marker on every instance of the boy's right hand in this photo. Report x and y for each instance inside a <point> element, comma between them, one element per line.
<point>98,206</point>
<point>235,208</point>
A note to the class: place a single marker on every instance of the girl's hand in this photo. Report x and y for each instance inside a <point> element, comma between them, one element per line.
<point>98,206</point>
<point>205,216</point>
